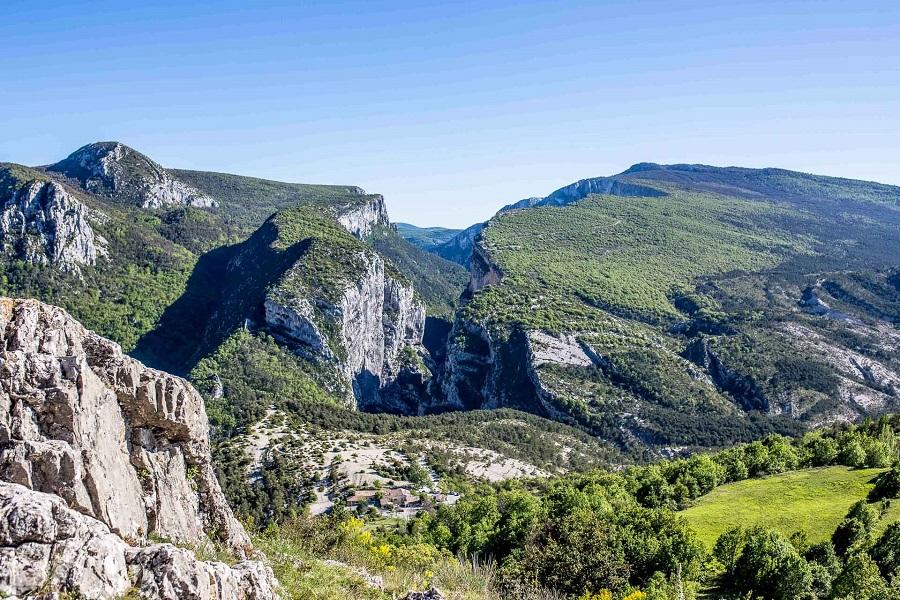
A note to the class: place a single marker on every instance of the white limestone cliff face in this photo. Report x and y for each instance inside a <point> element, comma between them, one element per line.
<point>362,219</point>
<point>114,169</point>
<point>362,332</point>
<point>99,454</point>
<point>42,223</point>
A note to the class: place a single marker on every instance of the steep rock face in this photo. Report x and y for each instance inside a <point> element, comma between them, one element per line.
<point>499,368</point>
<point>362,219</point>
<point>42,223</point>
<point>118,452</point>
<point>745,390</point>
<point>115,170</point>
<point>490,367</point>
<point>484,271</point>
<point>597,185</point>
<point>363,331</point>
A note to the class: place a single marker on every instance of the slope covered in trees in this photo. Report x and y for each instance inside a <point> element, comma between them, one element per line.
<point>726,303</point>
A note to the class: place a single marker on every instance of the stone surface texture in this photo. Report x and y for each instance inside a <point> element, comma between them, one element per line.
<point>43,223</point>
<point>99,456</point>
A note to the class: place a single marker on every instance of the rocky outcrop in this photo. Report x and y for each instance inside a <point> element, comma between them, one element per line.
<point>560,349</point>
<point>489,367</point>
<point>745,390</point>
<point>499,367</point>
<point>362,330</point>
<point>101,455</point>
<point>361,219</point>
<point>597,185</point>
<point>484,271</point>
<point>114,170</point>
<point>431,593</point>
<point>47,547</point>
<point>42,223</point>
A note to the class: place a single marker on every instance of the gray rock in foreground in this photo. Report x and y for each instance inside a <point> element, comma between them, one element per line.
<point>99,454</point>
<point>46,546</point>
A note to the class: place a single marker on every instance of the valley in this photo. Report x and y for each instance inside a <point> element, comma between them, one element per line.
<point>621,362</point>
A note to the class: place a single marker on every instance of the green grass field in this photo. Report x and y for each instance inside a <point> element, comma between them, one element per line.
<point>811,500</point>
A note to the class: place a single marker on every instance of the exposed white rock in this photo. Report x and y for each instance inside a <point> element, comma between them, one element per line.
<point>848,362</point>
<point>47,547</point>
<point>114,169</point>
<point>374,318</point>
<point>403,322</point>
<point>118,452</point>
<point>166,572</point>
<point>42,223</point>
<point>562,349</point>
<point>43,542</point>
<point>362,219</point>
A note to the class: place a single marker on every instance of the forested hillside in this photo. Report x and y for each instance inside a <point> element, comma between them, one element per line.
<point>724,304</point>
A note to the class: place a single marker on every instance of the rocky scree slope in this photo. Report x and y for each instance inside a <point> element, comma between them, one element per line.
<point>724,304</point>
<point>101,457</point>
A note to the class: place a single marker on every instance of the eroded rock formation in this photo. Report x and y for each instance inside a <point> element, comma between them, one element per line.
<point>42,223</point>
<point>364,331</point>
<point>99,456</point>
<point>361,220</point>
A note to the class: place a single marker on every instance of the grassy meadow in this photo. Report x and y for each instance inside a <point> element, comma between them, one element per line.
<point>811,500</point>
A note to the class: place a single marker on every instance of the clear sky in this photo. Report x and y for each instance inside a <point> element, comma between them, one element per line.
<point>452,109</point>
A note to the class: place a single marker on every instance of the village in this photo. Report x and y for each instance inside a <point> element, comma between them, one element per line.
<point>398,502</point>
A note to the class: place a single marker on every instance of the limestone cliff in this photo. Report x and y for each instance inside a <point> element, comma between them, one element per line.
<point>101,455</point>
<point>361,219</point>
<point>114,170</point>
<point>484,271</point>
<point>361,328</point>
<point>43,223</point>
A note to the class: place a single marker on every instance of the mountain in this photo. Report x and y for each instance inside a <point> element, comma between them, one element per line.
<point>628,306</point>
<point>171,263</point>
<point>684,306</point>
<point>425,237</point>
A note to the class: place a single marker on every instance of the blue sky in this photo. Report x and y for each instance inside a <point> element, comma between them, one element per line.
<point>452,109</point>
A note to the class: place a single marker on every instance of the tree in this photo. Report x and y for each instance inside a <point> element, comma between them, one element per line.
<point>853,454</point>
<point>574,554</point>
<point>855,528</point>
<point>860,580</point>
<point>728,549</point>
<point>887,485</point>
<point>770,567</point>
<point>886,551</point>
<point>520,513</point>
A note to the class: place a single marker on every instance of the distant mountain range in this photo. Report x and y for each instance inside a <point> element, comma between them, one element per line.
<point>667,308</point>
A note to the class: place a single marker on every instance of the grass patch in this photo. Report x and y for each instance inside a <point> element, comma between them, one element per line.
<point>811,500</point>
